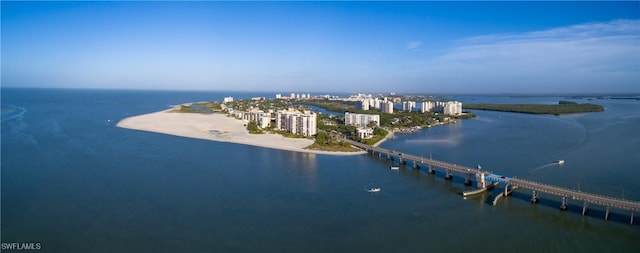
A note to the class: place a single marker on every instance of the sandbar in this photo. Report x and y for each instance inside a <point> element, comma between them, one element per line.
<point>216,127</point>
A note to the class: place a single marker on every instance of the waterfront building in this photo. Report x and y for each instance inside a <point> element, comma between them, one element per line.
<point>364,132</point>
<point>375,103</point>
<point>408,106</point>
<point>296,122</point>
<point>360,120</point>
<point>447,108</point>
<point>427,106</point>
<point>227,99</point>
<point>386,106</point>
<point>278,96</point>
<point>362,105</point>
<point>260,117</point>
<point>452,108</point>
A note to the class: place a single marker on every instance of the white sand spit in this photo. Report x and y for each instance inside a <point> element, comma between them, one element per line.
<point>216,127</point>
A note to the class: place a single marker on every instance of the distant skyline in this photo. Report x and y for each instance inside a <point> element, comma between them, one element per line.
<point>406,47</point>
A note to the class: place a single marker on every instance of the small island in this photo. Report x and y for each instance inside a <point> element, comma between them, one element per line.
<point>563,107</point>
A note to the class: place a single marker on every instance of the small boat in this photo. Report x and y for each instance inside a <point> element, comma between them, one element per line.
<point>373,190</point>
<point>395,167</point>
<point>560,162</point>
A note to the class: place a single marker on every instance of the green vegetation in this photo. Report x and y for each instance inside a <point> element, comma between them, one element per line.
<point>264,105</point>
<point>202,107</point>
<point>561,108</point>
<point>338,147</point>
<point>378,135</point>
<point>253,128</point>
<point>188,109</point>
<point>322,138</point>
<point>213,106</point>
<point>332,105</point>
<point>325,142</point>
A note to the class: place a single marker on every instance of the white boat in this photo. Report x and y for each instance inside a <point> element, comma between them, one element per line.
<point>373,190</point>
<point>395,167</point>
<point>560,162</point>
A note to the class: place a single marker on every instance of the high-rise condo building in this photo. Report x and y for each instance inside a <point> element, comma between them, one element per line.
<point>386,106</point>
<point>360,120</point>
<point>296,122</point>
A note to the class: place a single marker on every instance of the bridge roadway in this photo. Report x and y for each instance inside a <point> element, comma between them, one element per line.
<point>634,206</point>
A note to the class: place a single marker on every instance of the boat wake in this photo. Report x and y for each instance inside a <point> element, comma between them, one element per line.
<point>14,112</point>
<point>542,167</point>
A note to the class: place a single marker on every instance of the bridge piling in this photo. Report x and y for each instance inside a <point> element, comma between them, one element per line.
<point>482,183</point>
<point>467,179</point>
<point>584,208</point>
<point>631,222</point>
<point>534,197</point>
<point>431,171</point>
<point>606,214</point>
<point>448,175</point>
<point>564,204</point>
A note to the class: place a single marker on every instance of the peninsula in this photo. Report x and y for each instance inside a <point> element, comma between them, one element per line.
<point>216,127</point>
<point>289,123</point>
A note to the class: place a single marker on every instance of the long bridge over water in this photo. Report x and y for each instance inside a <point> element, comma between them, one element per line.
<point>486,180</point>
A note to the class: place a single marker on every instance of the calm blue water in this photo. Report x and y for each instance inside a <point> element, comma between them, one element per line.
<point>74,182</point>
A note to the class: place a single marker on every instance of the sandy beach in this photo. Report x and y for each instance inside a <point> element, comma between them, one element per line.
<point>216,127</point>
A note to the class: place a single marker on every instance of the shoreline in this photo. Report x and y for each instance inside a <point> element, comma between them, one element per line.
<point>217,127</point>
<point>390,135</point>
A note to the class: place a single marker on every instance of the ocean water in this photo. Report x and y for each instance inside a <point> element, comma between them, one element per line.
<point>74,182</point>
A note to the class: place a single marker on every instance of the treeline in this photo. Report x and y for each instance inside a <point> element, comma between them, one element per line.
<point>202,107</point>
<point>331,105</point>
<point>561,108</point>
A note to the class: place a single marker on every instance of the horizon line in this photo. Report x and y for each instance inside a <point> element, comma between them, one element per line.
<point>608,93</point>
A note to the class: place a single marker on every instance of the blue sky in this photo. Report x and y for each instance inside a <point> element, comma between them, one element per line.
<point>419,47</point>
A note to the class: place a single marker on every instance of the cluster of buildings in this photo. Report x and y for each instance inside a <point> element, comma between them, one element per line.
<point>447,108</point>
<point>362,122</point>
<point>408,106</point>
<point>294,96</point>
<point>263,119</point>
<point>383,105</point>
<point>290,120</point>
<point>305,122</point>
<point>386,106</point>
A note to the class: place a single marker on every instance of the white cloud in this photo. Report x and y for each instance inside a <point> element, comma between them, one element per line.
<point>591,57</point>
<point>410,45</point>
